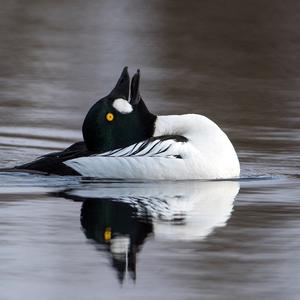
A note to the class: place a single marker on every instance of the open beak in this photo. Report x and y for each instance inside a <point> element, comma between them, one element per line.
<point>121,90</point>
<point>135,96</point>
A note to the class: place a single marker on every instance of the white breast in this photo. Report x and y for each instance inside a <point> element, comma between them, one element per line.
<point>210,152</point>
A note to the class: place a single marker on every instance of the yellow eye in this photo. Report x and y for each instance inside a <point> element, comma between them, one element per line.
<point>109,117</point>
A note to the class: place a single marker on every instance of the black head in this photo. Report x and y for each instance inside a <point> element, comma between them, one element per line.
<point>114,122</point>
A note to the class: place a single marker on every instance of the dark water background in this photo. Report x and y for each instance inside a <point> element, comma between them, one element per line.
<point>237,62</point>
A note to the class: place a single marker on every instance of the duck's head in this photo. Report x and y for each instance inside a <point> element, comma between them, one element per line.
<point>115,121</point>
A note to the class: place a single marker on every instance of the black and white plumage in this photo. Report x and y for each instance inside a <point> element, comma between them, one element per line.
<point>198,149</point>
<point>154,147</point>
<point>123,140</point>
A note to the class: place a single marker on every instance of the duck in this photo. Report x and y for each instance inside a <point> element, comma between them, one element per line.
<point>122,139</point>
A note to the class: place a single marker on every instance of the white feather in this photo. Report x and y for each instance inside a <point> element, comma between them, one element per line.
<point>122,106</point>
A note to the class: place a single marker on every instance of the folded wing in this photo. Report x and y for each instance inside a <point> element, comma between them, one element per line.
<point>162,146</point>
<point>151,159</point>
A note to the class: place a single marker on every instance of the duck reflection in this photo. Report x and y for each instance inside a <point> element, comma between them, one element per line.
<point>121,216</point>
<point>116,225</point>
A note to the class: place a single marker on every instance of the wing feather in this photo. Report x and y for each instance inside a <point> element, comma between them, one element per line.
<point>149,159</point>
<point>166,146</point>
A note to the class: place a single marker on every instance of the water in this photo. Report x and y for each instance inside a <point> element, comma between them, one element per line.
<point>237,63</point>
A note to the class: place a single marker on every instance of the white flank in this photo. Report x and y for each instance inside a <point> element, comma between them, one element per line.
<point>122,106</point>
<point>213,155</point>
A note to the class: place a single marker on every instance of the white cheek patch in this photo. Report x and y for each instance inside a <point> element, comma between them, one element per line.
<point>122,106</point>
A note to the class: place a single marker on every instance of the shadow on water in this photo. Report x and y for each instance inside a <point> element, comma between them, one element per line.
<point>121,219</point>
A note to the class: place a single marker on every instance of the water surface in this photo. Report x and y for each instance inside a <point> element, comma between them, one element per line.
<point>65,237</point>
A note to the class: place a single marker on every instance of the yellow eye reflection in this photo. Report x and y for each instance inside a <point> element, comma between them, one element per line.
<point>107,234</point>
<point>109,117</point>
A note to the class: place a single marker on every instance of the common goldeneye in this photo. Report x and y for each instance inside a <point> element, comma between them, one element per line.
<point>123,140</point>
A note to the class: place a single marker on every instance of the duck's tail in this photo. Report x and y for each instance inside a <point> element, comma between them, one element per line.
<point>19,170</point>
